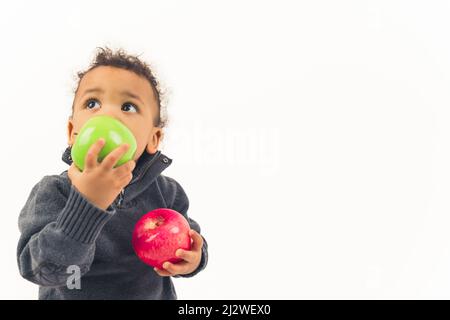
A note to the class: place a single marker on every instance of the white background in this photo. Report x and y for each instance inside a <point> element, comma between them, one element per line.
<point>312,137</point>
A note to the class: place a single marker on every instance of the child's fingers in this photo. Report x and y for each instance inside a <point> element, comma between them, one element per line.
<point>125,180</point>
<point>173,268</point>
<point>125,169</point>
<point>111,159</point>
<point>162,273</point>
<point>91,157</point>
<point>197,240</point>
<point>188,256</point>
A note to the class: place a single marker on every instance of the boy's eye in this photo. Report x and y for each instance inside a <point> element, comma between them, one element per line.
<point>90,104</point>
<point>129,107</point>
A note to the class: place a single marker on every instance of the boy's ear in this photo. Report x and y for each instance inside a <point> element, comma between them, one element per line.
<point>154,139</point>
<point>70,132</point>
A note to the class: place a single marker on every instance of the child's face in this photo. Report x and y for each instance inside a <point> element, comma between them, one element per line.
<point>137,113</point>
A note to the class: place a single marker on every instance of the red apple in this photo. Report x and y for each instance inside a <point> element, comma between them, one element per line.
<point>158,234</point>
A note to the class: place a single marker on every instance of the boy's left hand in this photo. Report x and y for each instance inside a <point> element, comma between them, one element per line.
<point>191,258</point>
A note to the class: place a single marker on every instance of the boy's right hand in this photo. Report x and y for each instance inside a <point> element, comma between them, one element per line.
<point>101,183</point>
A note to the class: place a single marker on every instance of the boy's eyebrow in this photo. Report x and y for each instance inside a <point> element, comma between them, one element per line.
<point>124,93</point>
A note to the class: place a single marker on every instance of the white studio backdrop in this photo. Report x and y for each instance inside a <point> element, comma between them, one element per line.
<point>312,137</point>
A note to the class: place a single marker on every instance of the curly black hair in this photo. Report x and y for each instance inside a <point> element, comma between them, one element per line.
<point>120,59</point>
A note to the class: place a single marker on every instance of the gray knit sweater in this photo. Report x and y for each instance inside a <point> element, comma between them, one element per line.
<point>75,250</point>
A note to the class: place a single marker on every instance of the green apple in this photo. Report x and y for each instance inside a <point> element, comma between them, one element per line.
<point>112,131</point>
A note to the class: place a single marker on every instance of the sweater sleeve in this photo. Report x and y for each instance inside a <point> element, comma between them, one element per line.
<point>178,201</point>
<point>58,229</point>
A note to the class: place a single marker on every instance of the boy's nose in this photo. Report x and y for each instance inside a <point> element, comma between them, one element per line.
<point>112,112</point>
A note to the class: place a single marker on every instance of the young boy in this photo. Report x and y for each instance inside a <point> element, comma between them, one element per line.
<point>80,224</point>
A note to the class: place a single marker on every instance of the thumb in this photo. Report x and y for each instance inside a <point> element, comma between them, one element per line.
<point>73,171</point>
